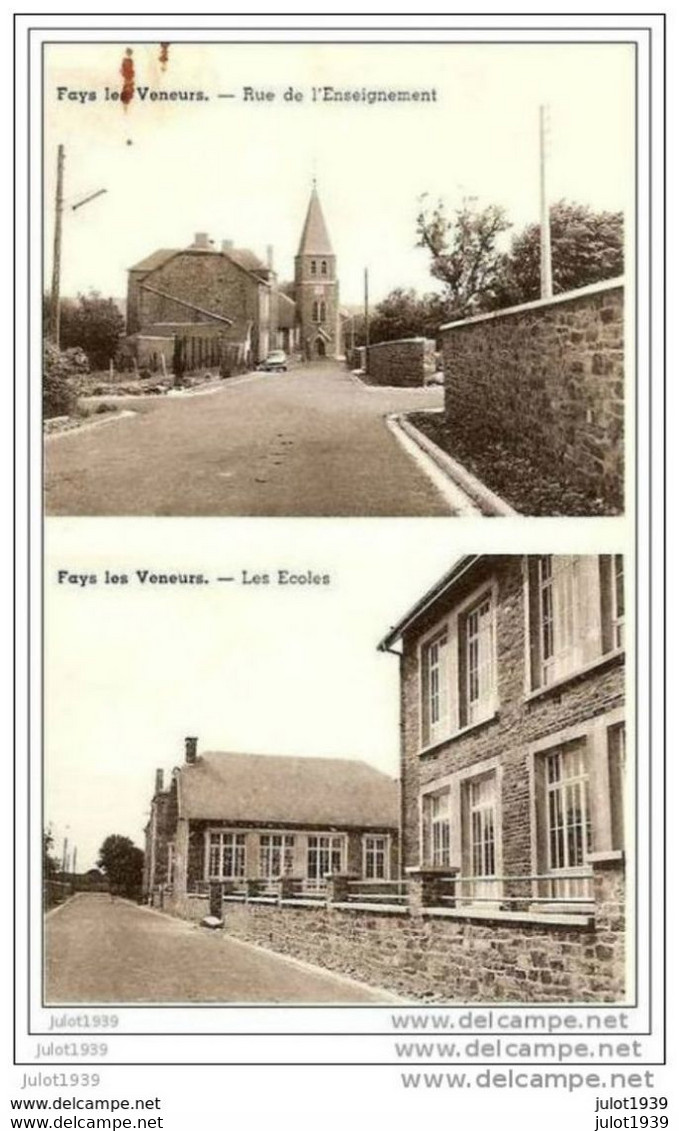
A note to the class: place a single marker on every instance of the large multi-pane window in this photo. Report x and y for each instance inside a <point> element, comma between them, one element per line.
<point>618,600</point>
<point>479,664</point>
<point>225,856</point>
<point>569,831</point>
<point>577,612</point>
<point>458,671</point>
<point>376,857</point>
<point>435,688</point>
<point>324,855</point>
<point>481,847</point>
<point>276,855</point>
<point>436,831</point>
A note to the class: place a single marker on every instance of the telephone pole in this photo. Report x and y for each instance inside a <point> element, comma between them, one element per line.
<point>545,237</point>
<point>56,262</point>
<point>366,315</point>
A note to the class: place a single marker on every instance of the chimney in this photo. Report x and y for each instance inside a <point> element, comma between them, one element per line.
<point>191,750</point>
<point>202,241</point>
<point>227,245</point>
<point>269,256</point>
<point>159,781</point>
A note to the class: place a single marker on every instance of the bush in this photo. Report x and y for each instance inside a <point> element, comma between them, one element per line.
<point>61,369</point>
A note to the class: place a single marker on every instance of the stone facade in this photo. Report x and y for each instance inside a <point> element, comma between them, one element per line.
<point>449,956</point>
<point>404,362</point>
<point>547,380</point>
<point>522,716</point>
<point>197,291</point>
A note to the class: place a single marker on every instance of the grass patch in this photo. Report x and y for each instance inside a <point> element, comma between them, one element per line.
<point>513,474</point>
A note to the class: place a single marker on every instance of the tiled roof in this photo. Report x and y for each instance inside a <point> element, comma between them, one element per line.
<point>156,259</point>
<point>315,239</point>
<point>303,791</point>
<point>287,311</point>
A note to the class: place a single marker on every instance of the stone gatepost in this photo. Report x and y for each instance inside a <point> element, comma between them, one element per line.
<point>425,888</point>
<point>252,888</point>
<point>608,869</point>
<point>337,886</point>
<point>286,887</point>
<point>216,899</point>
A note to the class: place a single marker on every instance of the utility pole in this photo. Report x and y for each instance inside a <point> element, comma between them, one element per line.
<point>56,262</point>
<point>545,238</point>
<point>366,315</point>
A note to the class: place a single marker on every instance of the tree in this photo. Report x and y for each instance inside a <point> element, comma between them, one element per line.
<point>61,370</point>
<point>91,323</point>
<point>50,864</point>
<point>464,253</point>
<point>122,863</point>
<point>587,247</point>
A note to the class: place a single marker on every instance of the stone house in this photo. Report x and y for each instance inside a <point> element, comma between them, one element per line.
<point>513,739</point>
<point>206,297</point>
<point>249,819</point>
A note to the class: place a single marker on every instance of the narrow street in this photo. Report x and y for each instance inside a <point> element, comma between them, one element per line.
<point>101,951</point>
<point>311,442</point>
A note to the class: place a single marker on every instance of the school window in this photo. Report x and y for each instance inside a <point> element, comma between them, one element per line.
<point>376,857</point>
<point>276,855</point>
<point>435,707</point>
<point>436,830</point>
<point>226,856</point>
<point>477,662</point>
<point>617,777</point>
<point>324,855</point>
<point>568,819</point>
<point>576,611</point>
<point>480,830</point>
<point>170,863</point>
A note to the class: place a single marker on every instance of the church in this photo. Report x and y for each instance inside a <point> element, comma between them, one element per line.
<point>225,306</point>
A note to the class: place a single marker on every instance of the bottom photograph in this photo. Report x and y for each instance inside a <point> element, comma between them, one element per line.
<point>364,788</point>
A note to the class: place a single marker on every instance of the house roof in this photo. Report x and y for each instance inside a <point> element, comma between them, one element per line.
<point>302,791</point>
<point>315,239</point>
<point>155,259</point>
<point>449,579</point>
<point>246,259</point>
<point>241,256</point>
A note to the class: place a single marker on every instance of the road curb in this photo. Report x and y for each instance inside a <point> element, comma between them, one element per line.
<point>490,504</point>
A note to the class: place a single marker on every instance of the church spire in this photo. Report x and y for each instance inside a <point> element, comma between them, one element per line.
<point>315,239</point>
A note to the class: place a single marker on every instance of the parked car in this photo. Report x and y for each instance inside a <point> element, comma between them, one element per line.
<point>275,361</point>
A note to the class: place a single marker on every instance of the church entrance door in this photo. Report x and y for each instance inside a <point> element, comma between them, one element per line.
<point>320,347</point>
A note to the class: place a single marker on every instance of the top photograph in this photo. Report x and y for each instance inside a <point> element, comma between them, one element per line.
<point>323,280</point>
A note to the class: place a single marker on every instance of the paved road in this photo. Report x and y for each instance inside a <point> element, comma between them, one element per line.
<point>310,442</point>
<point>98,951</point>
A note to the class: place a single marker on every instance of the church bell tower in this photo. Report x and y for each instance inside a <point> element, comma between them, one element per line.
<point>316,286</point>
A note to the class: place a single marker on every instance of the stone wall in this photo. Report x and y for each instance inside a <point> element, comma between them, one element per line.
<point>453,956</point>
<point>547,380</point>
<point>405,362</point>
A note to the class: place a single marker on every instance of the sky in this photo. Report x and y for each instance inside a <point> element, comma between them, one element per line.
<point>130,671</point>
<point>242,170</point>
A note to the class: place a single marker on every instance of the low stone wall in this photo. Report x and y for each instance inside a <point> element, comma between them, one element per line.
<point>435,954</point>
<point>405,362</point>
<point>545,379</point>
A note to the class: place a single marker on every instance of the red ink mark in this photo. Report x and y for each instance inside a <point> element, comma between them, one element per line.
<point>127,71</point>
<point>164,56</point>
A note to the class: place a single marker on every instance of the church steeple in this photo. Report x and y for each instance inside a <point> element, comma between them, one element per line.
<point>315,239</point>
<point>316,286</point>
